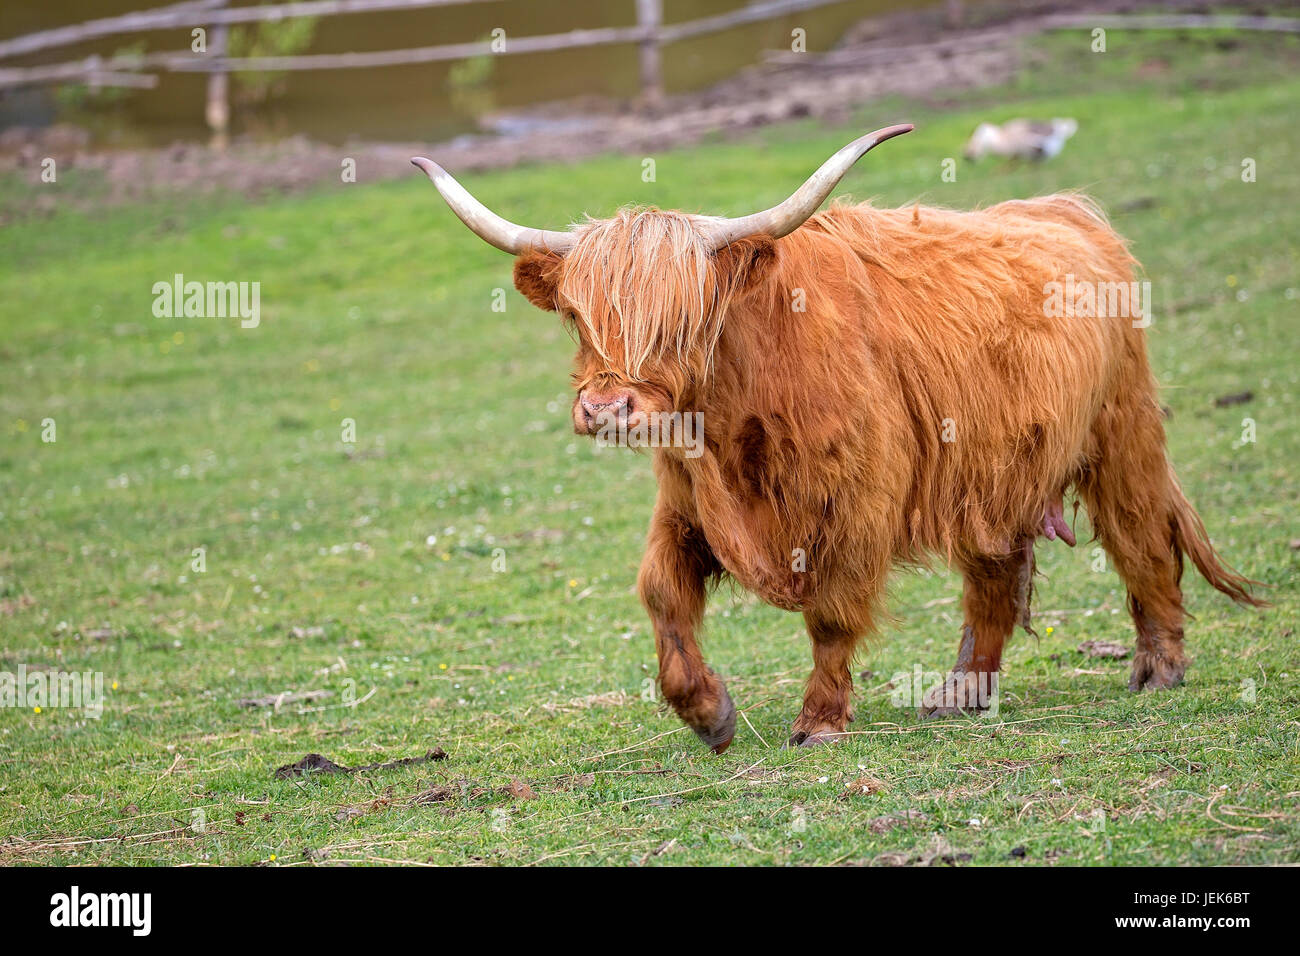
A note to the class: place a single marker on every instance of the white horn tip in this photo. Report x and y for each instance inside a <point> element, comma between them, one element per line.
<point>429,167</point>
<point>889,132</point>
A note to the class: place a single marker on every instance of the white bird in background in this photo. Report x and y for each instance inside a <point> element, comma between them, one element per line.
<point>1021,139</point>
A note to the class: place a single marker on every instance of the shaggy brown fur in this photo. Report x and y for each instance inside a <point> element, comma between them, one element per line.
<point>878,387</point>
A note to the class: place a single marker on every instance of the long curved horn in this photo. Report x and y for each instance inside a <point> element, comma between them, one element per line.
<point>487,225</point>
<point>790,215</point>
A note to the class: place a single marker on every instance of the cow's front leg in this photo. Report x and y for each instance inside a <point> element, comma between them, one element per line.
<point>827,705</point>
<point>674,572</point>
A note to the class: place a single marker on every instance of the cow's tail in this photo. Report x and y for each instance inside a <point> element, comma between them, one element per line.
<point>1191,538</point>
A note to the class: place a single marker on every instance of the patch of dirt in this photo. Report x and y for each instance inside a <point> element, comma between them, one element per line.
<point>445,792</point>
<point>940,853</point>
<point>1237,398</point>
<point>312,763</point>
<point>315,763</point>
<point>862,787</point>
<point>1104,649</point>
<point>287,697</point>
<point>435,794</point>
<point>892,821</point>
<point>520,790</point>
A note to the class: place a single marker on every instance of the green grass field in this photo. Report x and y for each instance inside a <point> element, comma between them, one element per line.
<point>367,569</point>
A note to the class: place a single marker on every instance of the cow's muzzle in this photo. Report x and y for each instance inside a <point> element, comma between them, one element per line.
<point>595,410</point>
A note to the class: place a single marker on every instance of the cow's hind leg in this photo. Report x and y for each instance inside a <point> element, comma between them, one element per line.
<point>995,599</point>
<point>1128,492</point>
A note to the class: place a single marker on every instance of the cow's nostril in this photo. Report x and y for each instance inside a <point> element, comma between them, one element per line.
<point>596,406</point>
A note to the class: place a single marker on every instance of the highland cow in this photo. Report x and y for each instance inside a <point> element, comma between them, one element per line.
<point>877,387</point>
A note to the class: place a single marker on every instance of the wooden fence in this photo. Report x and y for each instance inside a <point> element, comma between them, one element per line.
<point>649,34</point>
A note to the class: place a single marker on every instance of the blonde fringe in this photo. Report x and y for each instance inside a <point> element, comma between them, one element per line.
<point>642,286</point>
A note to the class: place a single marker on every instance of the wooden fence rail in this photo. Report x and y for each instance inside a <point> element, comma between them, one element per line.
<point>196,13</point>
<point>649,34</point>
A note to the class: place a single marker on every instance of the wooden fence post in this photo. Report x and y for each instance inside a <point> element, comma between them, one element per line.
<point>217,109</point>
<point>650,16</point>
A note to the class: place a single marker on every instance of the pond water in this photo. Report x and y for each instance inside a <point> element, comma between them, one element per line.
<point>427,102</point>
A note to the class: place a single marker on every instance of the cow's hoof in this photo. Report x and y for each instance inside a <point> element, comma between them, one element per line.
<point>1151,672</point>
<point>817,737</point>
<point>717,733</point>
<point>965,693</point>
<point>935,713</point>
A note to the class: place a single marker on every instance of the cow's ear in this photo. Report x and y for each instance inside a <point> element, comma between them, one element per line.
<point>746,263</point>
<point>537,276</point>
